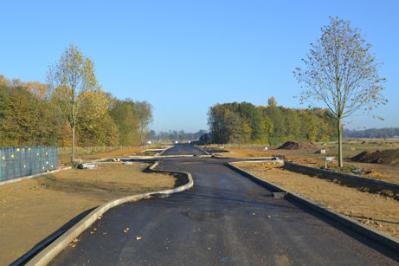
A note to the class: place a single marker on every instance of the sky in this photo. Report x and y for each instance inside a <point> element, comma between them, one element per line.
<point>185,56</point>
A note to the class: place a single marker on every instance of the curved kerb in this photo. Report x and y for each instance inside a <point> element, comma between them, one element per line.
<point>52,250</point>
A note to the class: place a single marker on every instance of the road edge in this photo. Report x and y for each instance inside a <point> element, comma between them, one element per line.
<point>351,224</point>
<point>203,150</point>
<point>52,250</point>
<point>162,152</point>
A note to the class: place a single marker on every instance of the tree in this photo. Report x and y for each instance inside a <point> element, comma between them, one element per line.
<point>272,101</point>
<point>95,126</point>
<point>277,119</point>
<point>123,113</point>
<point>341,72</point>
<point>25,118</point>
<point>292,123</point>
<point>69,79</point>
<point>144,116</point>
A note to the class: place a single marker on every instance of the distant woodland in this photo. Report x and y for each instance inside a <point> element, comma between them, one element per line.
<point>271,124</point>
<point>373,133</point>
<point>174,135</point>
<point>30,114</point>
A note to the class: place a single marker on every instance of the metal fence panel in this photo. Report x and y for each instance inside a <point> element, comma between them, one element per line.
<point>24,161</point>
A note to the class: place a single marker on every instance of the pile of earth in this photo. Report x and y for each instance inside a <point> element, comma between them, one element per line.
<point>390,157</point>
<point>215,150</point>
<point>293,145</point>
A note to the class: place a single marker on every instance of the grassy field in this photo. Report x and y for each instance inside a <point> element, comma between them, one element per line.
<point>379,212</point>
<point>309,155</point>
<point>31,210</point>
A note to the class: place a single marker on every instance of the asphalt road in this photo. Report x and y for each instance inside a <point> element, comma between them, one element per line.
<point>183,149</point>
<point>224,220</point>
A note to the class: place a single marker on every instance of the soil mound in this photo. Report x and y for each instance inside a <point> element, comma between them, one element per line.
<point>289,145</point>
<point>293,145</point>
<point>390,157</point>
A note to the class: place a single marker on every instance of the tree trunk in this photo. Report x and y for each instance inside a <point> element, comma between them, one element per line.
<point>340,153</point>
<point>73,144</point>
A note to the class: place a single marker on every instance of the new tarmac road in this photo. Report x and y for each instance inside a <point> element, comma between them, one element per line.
<point>225,219</point>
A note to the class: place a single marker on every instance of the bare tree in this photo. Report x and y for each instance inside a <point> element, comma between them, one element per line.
<point>69,79</point>
<point>341,72</point>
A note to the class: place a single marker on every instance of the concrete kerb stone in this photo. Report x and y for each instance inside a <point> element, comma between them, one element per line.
<point>347,179</point>
<point>163,156</point>
<point>204,151</point>
<point>162,152</point>
<point>271,160</point>
<point>52,250</point>
<point>182,156</point>
<point>383,239</point>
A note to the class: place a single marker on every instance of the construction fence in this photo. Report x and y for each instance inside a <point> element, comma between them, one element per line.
<point>24,161</point>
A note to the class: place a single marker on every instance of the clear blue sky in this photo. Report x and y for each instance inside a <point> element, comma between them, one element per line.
<point>184,56</point>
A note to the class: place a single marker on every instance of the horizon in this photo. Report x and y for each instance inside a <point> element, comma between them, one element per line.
<point>185,57</point>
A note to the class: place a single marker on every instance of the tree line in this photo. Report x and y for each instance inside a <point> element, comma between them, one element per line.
<point>32,114</point>
<point>174,135</point>
<point>390,132</point>
<point>271,124</point>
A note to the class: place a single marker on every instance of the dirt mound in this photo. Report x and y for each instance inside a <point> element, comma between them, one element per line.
<point>292,145</point>
<point>289,145</point>
<point>390,157</point>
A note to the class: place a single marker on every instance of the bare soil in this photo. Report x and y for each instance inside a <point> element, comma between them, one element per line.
<point>379,212</point>
<point>390,157</point>
<point>31,210</point>
<point>293,145</point>
<point>310,157</point>
<point>243,151</point>
<point>289,145</point>
<point>94,153</point>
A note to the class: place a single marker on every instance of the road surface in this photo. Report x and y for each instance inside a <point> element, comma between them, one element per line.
<point>224,220</point>
<point>183,149</point>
